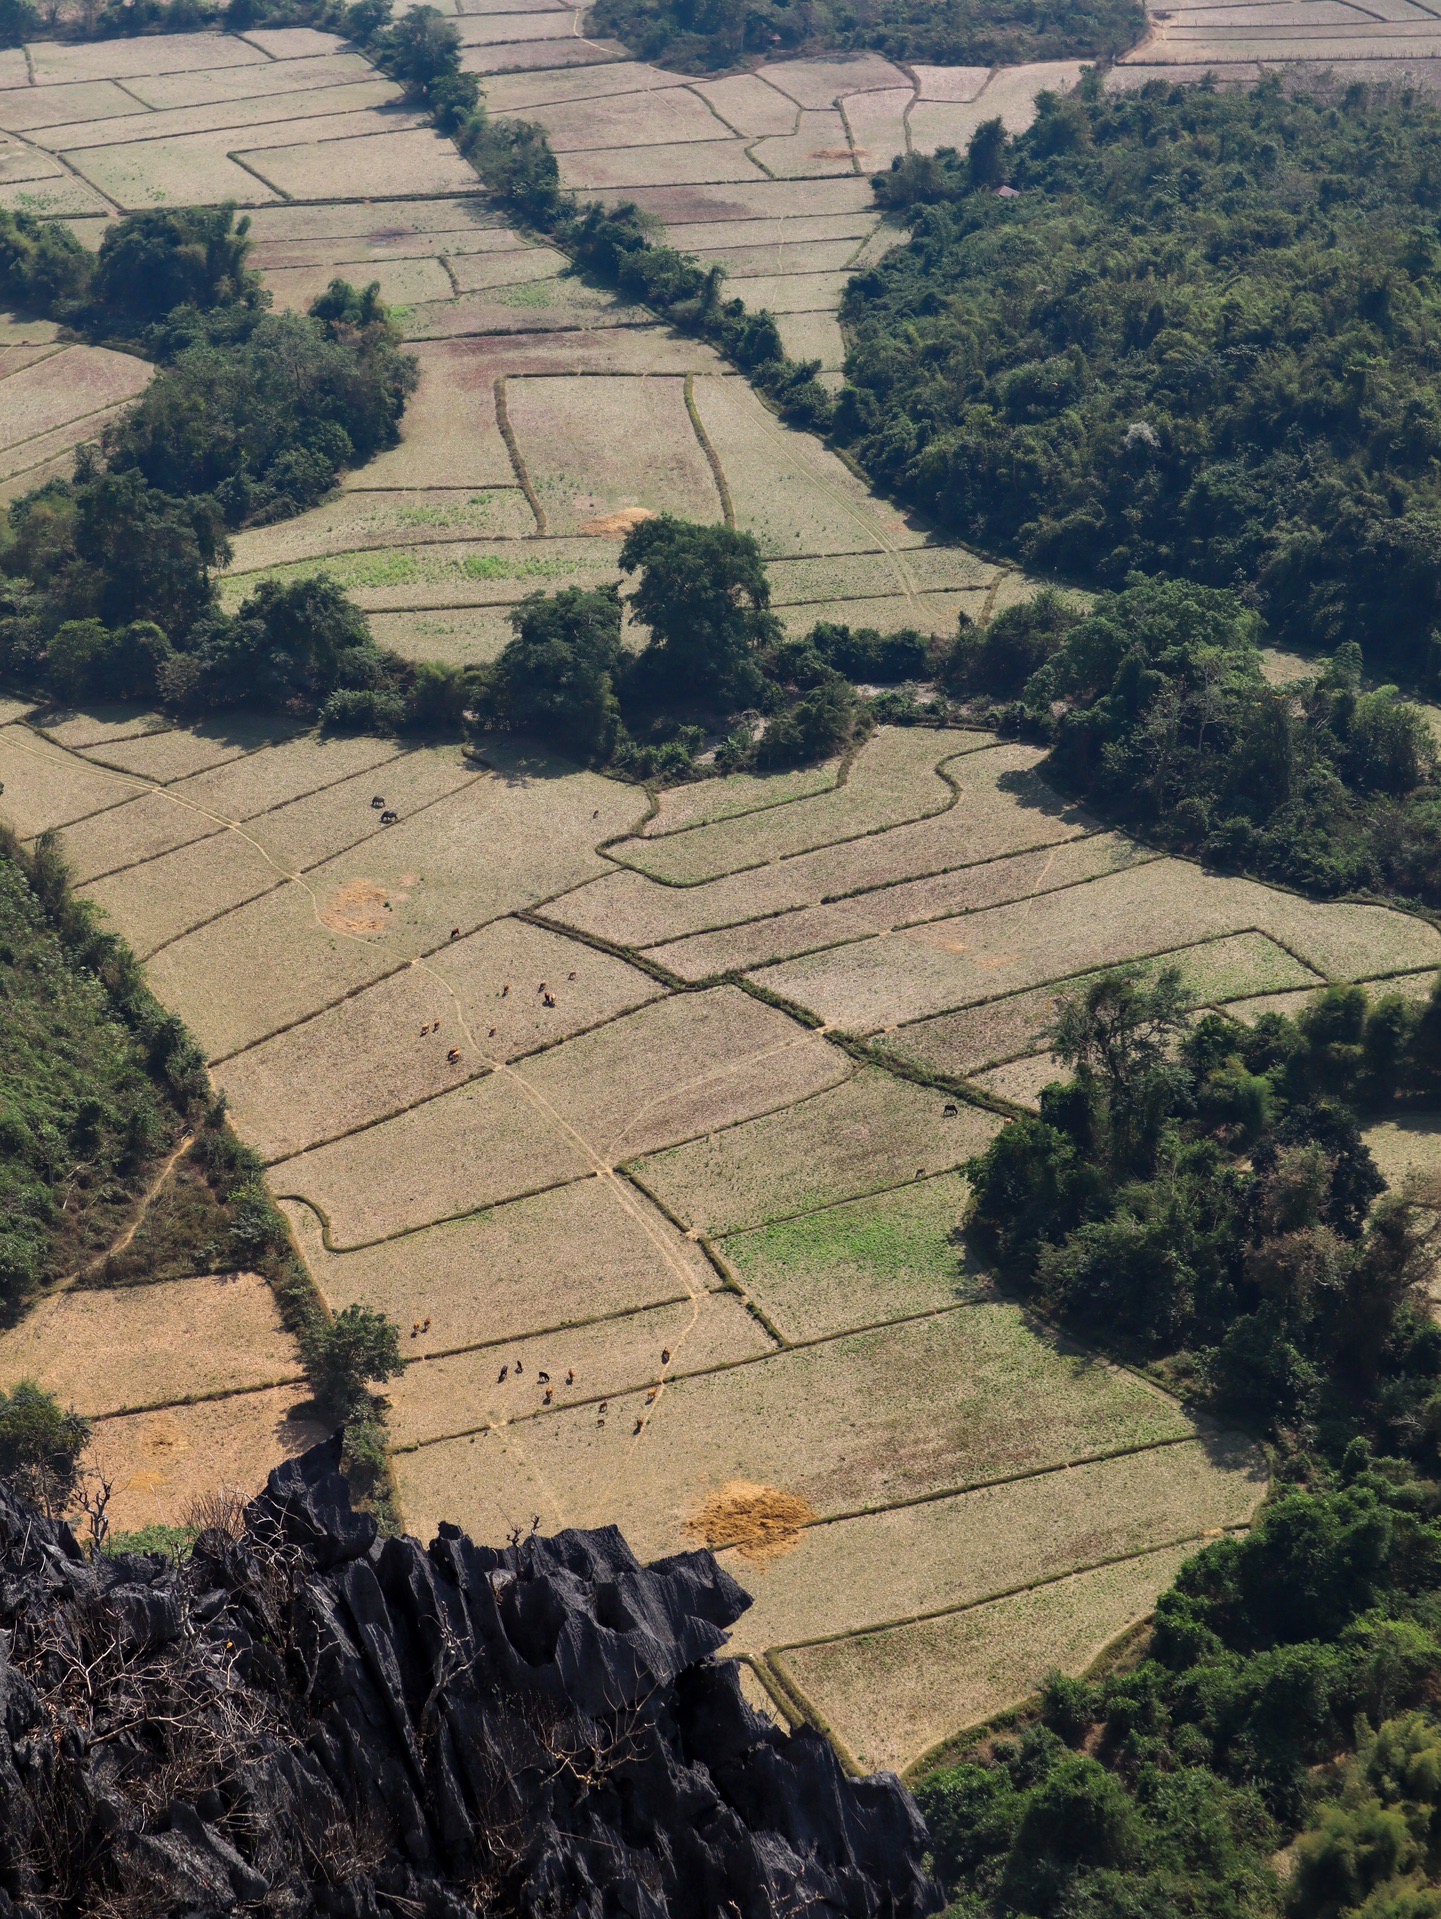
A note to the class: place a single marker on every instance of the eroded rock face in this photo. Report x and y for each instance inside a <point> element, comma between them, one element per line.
<point>309,1720</point>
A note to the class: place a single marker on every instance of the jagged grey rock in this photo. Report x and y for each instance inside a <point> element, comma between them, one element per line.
<point>306,1719</point>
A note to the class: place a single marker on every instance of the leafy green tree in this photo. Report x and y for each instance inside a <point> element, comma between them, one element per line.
<point>343,1356</point>
<point>704,595</point>
<point>42,265</point>
<point>40,1445</point>
<point>817,725</point>
<point>19,22</point>
<point>557,677</point>
<point>167,257</point>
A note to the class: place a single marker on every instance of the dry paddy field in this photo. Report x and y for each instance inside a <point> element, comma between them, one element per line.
<point>677,1257</point>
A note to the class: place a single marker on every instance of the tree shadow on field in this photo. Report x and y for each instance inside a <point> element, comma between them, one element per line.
<point>246,731</point>
<point>1031,793</point>
<point>519,761</point>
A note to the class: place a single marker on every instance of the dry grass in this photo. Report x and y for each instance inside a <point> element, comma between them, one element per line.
<point>176,891</point>
<point>871,1133</point>
<point>141,829</point>
<point>236,83</point>
<point>238,116</point>
<point>892,1695</point>
<point>724,798</point>
<point>1405,1148</point>
<point>1157,907</point>
<point>543,305</point>
<point>745,102</point>
<point>794,496</point>
<point>853,1423</point>
<point>178,752</point>
<point>402,282</point>
<point>101,1351</point>
<point>423,1166</point>
<point>516,92</point>
<point>167,172</point>
<point>53,61</point>
<point>370,1055</point>
<point>414,160</point>
<point>819,81</point>
<point>680,1066</point>
<point>888,1256</point>
<point>461,1393</point>
<point>262,782</point>
<point>953,1552</point>
<point>820,147</point>
<point>701,161</point>
<point>863,576</point>
<point>467,636</point>
<point>892,779</point>
<point>597,447</point>
<point>64,388</point>
<point>47,787</point>
<point>580,1253</point>
<point>657,116</point>
<point>760,1524</point>
<point>161,1463</point>
<point>449,435</point>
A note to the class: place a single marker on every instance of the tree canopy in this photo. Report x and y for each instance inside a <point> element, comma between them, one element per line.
<point>1199,339</point>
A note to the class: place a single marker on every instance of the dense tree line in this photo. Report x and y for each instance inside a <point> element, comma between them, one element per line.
<point>1157,711</point>
<point>699,36</point>
<point>108,580</point>
<point>1199,1193</point>
<point>716,663</point>
<point>1198,338</point>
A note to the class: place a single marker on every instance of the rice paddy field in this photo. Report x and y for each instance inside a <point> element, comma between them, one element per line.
<point>644,1122</point>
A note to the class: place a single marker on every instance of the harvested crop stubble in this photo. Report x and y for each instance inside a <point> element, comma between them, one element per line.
<point>193,171</point>
<point>413,160</point>
<point>29,463</point>
<point>456,572</point>
<point>934,614</point>
<point>468,636</point>
<point>559,305</point>
<point>240,83</point>
<point>792,494</point>
<point>884,1257</point>
<point>409,239</point>
<point>784,232</point>
<point>1155,908</point>
<point>479,272</point>
<point>856,1422</point>
<point>859,576</point>
<point>724,798</point>
<point>872,1133</point>
<point>141,829</point>
<point>595,446</point>
<point>521,56</point>
<point>497,29</point>
<point>679,1066</point>
<point>53,61</point>
<point>758,200</point>
<point>370,1056</point>
<point>657,116</point>
<point>634,348</point>
<point>459,1394</point>
<point>258,967</point>
<point>890,1696</point>
<point>97,722</point>
<point>517,92</point>
<point>101,1351</point>
<point>1405,1149</point>
<point>1010,96</point>
<point>161,1462</point>
<point>238,116</point>
<point>449,435</point>
<point>822,146</point>
<point>819,81</point>
<point>45,786</point>
<point>892,779</point>
<point>1022,1081</point>
<point>380,517</point>
<point>22,109</point>
<point>949,83</point>
<point>806,928</point>
<point>66,387</point>
<point>701,161</point>
<point>175,891</point>
<point>745,102</point>
<point>582,1252</point>
<point>264,781</point>
<point>176,752</point>
<point>953,1552</point>
<point>401,283</point>
<point>876,123</point>
<point>51,198</point>
<point>778,257</point>
<point>423,1166</point>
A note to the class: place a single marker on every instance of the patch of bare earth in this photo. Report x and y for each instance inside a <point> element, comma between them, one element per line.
<point>762,1523</point>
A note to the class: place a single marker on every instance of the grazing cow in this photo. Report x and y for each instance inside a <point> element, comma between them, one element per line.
<point>455,932</point>
<point>639,1426</point>
<point>491,1033</point>
<point>504,1371</point>
<point>949,1110</point>
<point>519,1369</point>
<point>570,975</point>
<point>596,814</point>
<point>505,989</point>
<point>425,1325</point>
<point>650,1396</point>
<point>604,1404</point>
<point>547,999</point>
<point>377,802</point>
<point>570,1376</point>
<point>544,1378</point>
<point>454,1056</point>
<point>665,1355</point>
<point>389,817</point>
<point>549,1396</point>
